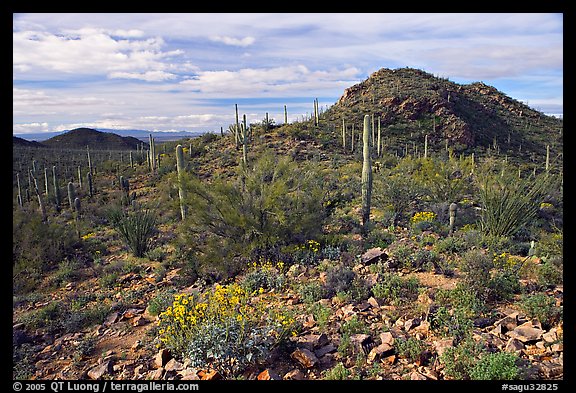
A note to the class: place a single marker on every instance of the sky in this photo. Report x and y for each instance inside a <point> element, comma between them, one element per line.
<point>186,72</point>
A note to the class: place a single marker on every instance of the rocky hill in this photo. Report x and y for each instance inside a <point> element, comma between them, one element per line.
<point>81,137</point>
<point>412,103</point>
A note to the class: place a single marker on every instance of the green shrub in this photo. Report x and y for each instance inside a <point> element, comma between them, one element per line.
<point>265,275</point>
<point>321,314</point>
<point>161,301</point>
<point>542,307</point>
<point>549,274</point>
<point>338,279</point>
<point>311,292</point>
<point>496,366</point>
<point>395,289</point>
<point>338,372</point>
<point>459,361</point>
<point>411,349</point>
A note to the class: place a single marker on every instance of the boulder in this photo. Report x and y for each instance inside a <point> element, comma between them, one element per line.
<point>374,255</point>
<point>305,357</point>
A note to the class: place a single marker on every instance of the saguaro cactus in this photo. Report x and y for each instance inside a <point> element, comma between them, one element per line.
<point>90,186</point>
<point>180,166</point>
<point>19,197</point>
<point>56,188</point>
<point>71,195</point>
<point>285,115</point>
<point>452,210</point>
<point>366,173</point>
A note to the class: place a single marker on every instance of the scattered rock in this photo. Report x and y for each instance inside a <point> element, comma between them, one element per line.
<point>100,370</point>
<point>305,357</point>
<point>411,323</point>
<point>379,352</point>
<point>268,375</point>
<point>514,345</point>
<point>162,358</point>
<point>373,255</point>
<point>526,332</point>
<point>173,365</point>
<point>295,375</point>
<point>416,376</point>
<point>329,348</point>
<point>442,345</point>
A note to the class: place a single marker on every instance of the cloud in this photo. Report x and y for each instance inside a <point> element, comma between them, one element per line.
<point>255,82</point>
<point>91,51</point>
<point>243,42</point>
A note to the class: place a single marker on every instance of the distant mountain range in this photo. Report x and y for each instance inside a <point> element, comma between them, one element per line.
<point>79,138</point>
<point>138,134</point>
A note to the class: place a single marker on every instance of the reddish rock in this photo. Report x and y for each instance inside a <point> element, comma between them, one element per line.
<point>268,375</point>
<point>305,357</point>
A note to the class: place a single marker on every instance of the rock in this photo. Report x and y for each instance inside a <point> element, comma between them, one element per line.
<point>550,336</point>
<point>411,323</point>
<point>514,345</point>
<point>361,342</point>
<point>509,322</point>
<point>295,375</point>
<point>173,365</point>
<point>387,338</point>
<point>312,341</point>
<point>416,376</point>
<point>268,375</point>
<point>379,352</point>
<point>156,374</point>
<point>136,346</point>
<point>526,332</point>
<point>111,319</point>
<point>305,357</point>
<point>189,374</point>
<point>329,348</point>
<point>162,358</point>
<point>139,321</point>
<point>100,370</point>
<point>376,303</point>
<point>550,369</point>
<point>209,375</point>
<point>373,255</point>
<point>443,345</point>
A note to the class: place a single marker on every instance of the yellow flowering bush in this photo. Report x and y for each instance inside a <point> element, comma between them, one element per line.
<point>225,329</point>
<point>265,275</point>
<point>423,217</point>
<point>505,262</point>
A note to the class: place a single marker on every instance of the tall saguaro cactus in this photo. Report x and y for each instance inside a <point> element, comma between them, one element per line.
<point>56,188</point>
<point>180,166</point>
<point>452,210</point>
<point>366,174</point>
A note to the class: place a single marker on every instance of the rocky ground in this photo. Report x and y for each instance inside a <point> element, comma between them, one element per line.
<point>123,346</point>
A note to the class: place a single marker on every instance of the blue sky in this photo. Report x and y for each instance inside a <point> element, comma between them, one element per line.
<point>185,72</point>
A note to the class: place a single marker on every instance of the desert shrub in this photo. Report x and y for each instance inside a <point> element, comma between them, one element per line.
<point>550,244</point>
<point>338,372</point>
<point>496,366</point>
<point>541,307</point>
<point>264,275</point>
<point>223,329</point>
<point>455,323</point>
<point>354,326</point>
<point>36,248</point>
<point>134,227</point>
<point>459,361</point>
<point>161,301</point>
<point>422,221</point>
<point>338,279</point>
<point>549,274</point>
<point>503,285</point>
<point>394,188</point>
<point>275,203</point>
<point>450,245</point>
<point>311,292</point>
<point>477,265</point>
<point>411,348</point>
<point>396,289</point>
<point>321,314</point>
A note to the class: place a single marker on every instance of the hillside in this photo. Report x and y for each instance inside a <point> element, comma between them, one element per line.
<point>263,269</point>
<point>473,117</point>
<point>20,142</point>
<point>79,138</point>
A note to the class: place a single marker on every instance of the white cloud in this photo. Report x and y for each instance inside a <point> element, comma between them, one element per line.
<point>246,41</point>
<point>91,51</point>
<point>256,82</point>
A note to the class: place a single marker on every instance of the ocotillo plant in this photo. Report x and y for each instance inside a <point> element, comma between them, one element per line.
<point>366,174</point>
<point>180,166</point>
<point>452,210</point>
